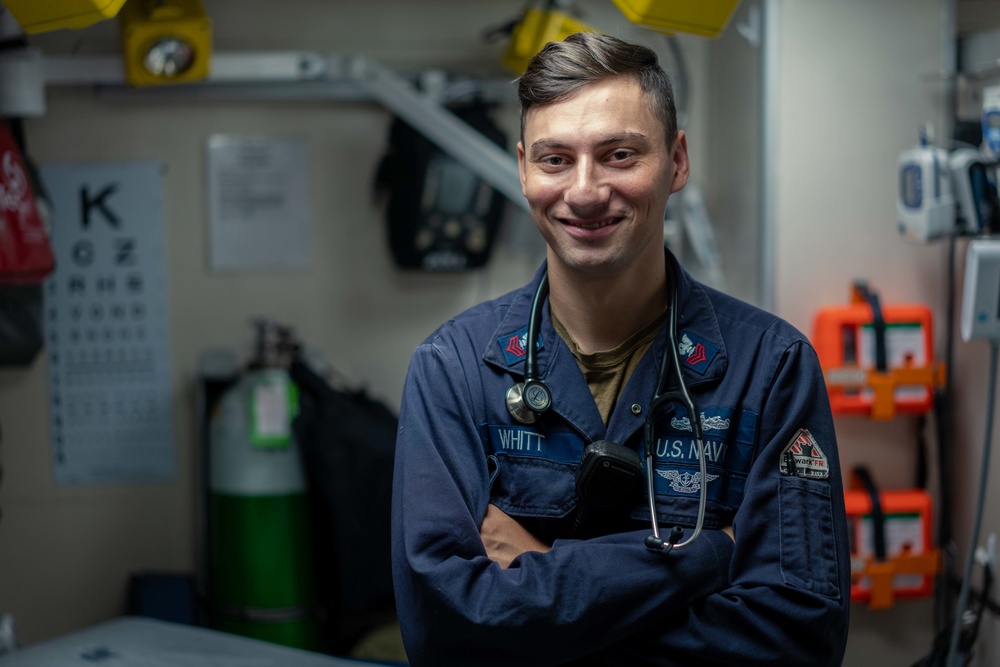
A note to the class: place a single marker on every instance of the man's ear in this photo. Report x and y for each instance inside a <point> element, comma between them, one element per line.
<point>682,165</point>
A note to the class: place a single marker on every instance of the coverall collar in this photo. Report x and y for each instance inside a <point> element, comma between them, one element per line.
<point>558,369</point>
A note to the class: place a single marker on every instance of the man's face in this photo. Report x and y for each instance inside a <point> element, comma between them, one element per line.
<point>597,171</point>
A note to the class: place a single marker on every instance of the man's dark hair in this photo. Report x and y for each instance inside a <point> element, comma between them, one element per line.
<point>561,68</point>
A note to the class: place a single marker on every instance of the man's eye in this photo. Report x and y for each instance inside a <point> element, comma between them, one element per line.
<point>621,155</point>
<point>553,161</point>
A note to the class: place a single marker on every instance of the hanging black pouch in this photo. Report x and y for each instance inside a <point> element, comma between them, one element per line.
<point>20,324</point>
<point>440,215</point>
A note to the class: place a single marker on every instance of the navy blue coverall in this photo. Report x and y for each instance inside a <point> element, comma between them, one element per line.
<point>778,596</point>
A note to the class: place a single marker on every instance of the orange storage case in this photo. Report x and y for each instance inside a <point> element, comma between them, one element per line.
<point>911,561</point>
<point>842,336</point>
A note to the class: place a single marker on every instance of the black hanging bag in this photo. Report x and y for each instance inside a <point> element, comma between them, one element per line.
<point>347,443</point>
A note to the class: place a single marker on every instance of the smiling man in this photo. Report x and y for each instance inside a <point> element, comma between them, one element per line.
<point>522,528</point>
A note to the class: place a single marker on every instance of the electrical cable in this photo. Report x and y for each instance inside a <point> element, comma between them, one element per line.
<point>988,602</point>
<point>921,475</point>
<point>878,324</point>
<point>877,515</point>
<point>984,473</point>
<point>939,649</point>
<point>942,415</point>
<point>983,601</point>
<point>681,82</point>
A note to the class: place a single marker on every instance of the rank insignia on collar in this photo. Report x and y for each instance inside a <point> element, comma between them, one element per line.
<point>696,353</point>
<point>514,345</point>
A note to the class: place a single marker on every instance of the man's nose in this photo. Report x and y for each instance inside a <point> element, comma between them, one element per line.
<point>589,192</point>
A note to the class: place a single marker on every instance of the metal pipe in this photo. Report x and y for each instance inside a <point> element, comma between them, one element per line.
<point>453,135</point>
<point>768,153</point>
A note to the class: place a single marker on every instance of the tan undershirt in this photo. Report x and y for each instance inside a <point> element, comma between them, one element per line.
<point>607,372</point>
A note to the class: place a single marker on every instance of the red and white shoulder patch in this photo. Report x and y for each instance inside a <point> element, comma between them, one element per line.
<point>803,457</point>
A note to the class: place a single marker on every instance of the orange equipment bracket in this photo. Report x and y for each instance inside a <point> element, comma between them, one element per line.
<point>881,574</point>
<point>883,384</point>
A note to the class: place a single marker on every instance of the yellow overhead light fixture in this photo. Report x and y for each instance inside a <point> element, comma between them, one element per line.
<point>165,41</point>
<point>44,15</point>
<point>699,17</point>
<point>536,29</point>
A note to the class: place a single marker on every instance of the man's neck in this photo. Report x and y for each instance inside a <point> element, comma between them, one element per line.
<point>600,313</point>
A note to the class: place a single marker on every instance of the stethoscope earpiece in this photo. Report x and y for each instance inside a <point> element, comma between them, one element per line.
<point>654,543</point>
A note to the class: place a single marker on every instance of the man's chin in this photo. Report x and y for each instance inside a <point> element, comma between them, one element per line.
<point>590,265</point>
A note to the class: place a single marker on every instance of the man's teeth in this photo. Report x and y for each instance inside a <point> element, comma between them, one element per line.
<point>596,225</point>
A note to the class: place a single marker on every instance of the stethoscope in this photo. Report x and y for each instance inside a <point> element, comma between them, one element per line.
<point>528,400</point>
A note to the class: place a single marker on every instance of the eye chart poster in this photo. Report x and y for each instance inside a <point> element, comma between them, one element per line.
<point>106,325</point>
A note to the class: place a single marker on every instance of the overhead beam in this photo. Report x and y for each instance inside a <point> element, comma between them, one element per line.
<point>280,75</point>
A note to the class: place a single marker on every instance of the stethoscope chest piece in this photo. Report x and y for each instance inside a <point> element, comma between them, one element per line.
<point>526,401</point>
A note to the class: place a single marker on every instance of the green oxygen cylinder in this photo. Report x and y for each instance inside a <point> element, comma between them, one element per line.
<point>260,566</point>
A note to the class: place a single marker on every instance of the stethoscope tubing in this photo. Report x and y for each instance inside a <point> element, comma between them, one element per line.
<point>534,327</point>
<point>648,443</point>
<point>671,356</point>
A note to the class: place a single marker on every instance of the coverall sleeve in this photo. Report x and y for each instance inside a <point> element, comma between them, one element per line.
<point>788,599</point>
<point>455,605</point>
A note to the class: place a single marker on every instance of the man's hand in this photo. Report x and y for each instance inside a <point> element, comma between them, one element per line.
<point>505,539</point>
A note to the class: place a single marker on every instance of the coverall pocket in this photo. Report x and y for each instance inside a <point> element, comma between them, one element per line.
<point>524,486</point>
<point>808,541</point>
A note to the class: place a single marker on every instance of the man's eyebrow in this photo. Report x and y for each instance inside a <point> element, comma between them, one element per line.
<point>543,145</point>
<point>623,138</point>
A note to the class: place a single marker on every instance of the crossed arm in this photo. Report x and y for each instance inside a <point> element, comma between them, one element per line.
<point>505,539</point>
